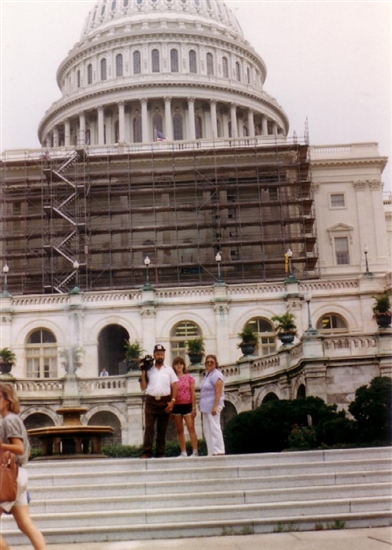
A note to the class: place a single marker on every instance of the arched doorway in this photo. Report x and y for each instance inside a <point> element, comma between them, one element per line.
<point>111,352</point>
<point>107,418</point>
<point>301,392</point>
<point>271,396</point>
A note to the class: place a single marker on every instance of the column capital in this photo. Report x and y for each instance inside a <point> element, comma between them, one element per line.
<point>213,101</point>
<point>121,103</point>
<point>167,99</point>
<point>191,99</point>
<point>143,100</point>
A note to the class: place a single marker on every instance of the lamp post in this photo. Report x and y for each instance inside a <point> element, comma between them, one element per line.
<point>218,259</point>
<point>290,278</point>
<point>367,272</point>
<point>76,289</point>
<point>5,293</point>
<point>310,331</point>
<point>147,285</point>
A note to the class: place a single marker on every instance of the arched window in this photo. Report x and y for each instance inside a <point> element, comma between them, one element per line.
<point>78,79</point>
<point>116,131</point>
<point>178,132</point>
<point>89,74</point>
<point>266,335</point>
<point>186,330</point>
<point>137,65</point>
<point>114,2</point>
<point>331,322</point>
<point>192,62</point>
<point>198,128</point>
<point>119,65</point>
<point>210,64</point>
<point>103,69</point>
<point>137,129</point>
<point>174,61</point>
<point>248,75</point>
<point>41,354</point>
<point>238,71</point>
<point>155,61</point>
<point>157,123</point>
<point>125,3</point>
<point>225,67</point>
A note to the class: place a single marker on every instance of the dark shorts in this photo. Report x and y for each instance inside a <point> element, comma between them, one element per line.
<point>182,410</point>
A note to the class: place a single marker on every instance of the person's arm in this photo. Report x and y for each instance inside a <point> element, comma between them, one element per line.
<point>143,380</point>
<point>193,394</point>
<point>16,446</point>
<point>218,394</point>
<point>172,402</point>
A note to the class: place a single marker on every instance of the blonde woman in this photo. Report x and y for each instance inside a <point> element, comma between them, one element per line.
<point>13,437</point>
<point>185,407</point>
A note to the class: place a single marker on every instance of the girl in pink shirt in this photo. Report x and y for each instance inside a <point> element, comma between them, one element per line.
<point>185,407</point>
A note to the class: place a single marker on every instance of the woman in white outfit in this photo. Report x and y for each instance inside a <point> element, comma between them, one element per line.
<point>13,438</point>
<point>211,405</point>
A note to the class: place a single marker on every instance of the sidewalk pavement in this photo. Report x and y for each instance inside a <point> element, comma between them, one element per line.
<point>378,538</point>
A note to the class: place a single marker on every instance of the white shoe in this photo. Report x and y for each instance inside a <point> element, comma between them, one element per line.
<point>195,453</point>
<point>183,455</point>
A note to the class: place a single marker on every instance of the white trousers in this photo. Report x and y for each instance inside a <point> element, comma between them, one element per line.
<point>213,433</point>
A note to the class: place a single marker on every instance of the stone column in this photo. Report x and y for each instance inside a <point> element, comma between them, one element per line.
<point>168,119</point>
<point>275,129</point>
<point>251,123</point>
<point>233,117</point>
<point>121,122</point>
<point>67,133</point>
<point>82,128</point>
<point>101,133</point>
<point>214,120</point>
<point>191,119</point>
<point>145,133</point>
<point>55,137</point>
<point>264,126</point>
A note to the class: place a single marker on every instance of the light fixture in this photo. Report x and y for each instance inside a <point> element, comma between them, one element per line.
<point>5,288</point>
<point>310,331</point>
<point>218,259</point>
<point>147,285</point>
<point>76,289</point>
<point>367,272</point>
<point>288,257</point>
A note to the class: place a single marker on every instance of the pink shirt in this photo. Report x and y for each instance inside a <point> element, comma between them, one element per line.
<point>184,394</point>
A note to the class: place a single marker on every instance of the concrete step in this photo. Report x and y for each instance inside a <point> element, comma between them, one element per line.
<point>98,500</point>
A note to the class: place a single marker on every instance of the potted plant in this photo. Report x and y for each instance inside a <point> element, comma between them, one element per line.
<point>133,353</point>
<point>195,350</point>
<point>7,360</point>
<point>382,311</point>
<point>249,340</point>
<point>285,327</point>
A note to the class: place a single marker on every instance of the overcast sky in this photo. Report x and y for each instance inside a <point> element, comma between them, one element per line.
<point>328,62</point>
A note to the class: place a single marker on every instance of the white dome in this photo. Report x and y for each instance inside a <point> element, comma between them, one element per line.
<point>181,68</point>
<point>111,12</point>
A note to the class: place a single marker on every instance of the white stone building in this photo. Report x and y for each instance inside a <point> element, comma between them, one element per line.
<point>165,144</point>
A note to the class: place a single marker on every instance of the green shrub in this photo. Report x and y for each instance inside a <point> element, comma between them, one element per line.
<point>302,438</point>
<point>372,410</point>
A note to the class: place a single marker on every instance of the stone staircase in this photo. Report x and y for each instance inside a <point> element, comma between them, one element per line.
<point>125,499</point>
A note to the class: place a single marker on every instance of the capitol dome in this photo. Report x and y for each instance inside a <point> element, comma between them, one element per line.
<point>150,70</point>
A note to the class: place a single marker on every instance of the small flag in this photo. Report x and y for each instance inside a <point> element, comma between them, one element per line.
<point>160,136</point>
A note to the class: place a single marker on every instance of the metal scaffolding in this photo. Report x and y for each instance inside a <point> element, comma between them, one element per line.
<point>90,216</point>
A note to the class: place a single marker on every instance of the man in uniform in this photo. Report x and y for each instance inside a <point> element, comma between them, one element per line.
<point>160,385</point>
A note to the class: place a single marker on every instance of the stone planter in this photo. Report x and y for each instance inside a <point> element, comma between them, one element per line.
<point>195,358</point>
<point>132,365</point>
<point>247,349</point>
<point>383,320</point>
<point>286,338</point>
<point>5,368</point>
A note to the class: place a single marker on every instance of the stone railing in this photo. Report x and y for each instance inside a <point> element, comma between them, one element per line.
<point>349,345</point>
<point>35,387</point>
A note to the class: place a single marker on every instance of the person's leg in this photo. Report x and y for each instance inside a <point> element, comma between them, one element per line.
<point>3,544</point>
<point>179,425</point>
<point>162,423</point>
<point>149,420</point>
<point>217,443</point>
<point>22,517</point>
<point>206,417</point>
<point>190,424</point>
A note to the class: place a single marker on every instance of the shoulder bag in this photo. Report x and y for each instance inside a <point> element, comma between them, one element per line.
<point>8,477</point>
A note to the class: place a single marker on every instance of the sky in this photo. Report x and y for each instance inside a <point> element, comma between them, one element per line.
<point>328,63</point>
